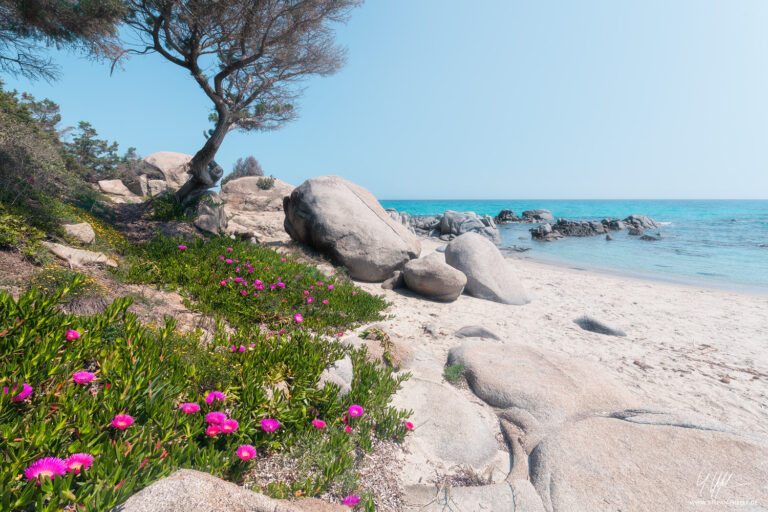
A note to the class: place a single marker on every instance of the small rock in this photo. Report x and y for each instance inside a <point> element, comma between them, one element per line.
<point>431,277</point>
<point>394,282</point>
<point>590,324</point>
<point>476,331</point>
<point>608,237</point>
<point>441,248</point>
<point>649,238</point>
<point>635,231</point>
<point>82,232</point>
<point>339,373</point>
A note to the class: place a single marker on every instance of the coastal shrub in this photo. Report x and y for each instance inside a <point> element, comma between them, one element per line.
<point>266,182</point>
<point>53,277</point>
<point>18,233</point>
<point>166,208</point>
<point>107,406</point>
<point>248,285</point>
<point>453,373</point>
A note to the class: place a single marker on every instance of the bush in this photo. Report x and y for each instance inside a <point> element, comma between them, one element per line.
<point>52,278</point>
<point>248,167</point>
<point>147,373</point>
<point>453,373</point>
<point>266,183</point>
<point>167,208</point>
<point>18,233</point>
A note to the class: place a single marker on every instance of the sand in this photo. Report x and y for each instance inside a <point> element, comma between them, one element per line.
<point>687,348</point>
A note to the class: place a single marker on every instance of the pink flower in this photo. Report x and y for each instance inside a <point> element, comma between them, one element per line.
<point>122,421</point>
<point>229,426</point>
<point>26,390</point>
<point>351,500</point>
<point>306,292</point>
<point>325,302</point>
<point>83,377</point>
<point>189,407</point>
<point>72,335</point>
<point>246,452</point>
<point>221,258</point>
<point>78,461</point>
<point>272,286</point>
<point>318,423</point>
<point>243,292</point>
<point>282,259</point>
<point>310,300</point>
<point>298,318</point>
<point>228,261</point>
<point>238,279</point>
<point>182,247</point>
<point>281,285</point>
<point>215,418</point>
<point>241,349</point>
<point>212,431</point>
<point>229,249</point>
<point>340,334</point>
<point>408,425</point>
<point>354,293</point>
<point>355,411</point>
<point>224,283</point>
<point>347,429</point>
<point>48,467</point>
<point>330,287</point>
<point>213,396</point>
<point>270,425</point>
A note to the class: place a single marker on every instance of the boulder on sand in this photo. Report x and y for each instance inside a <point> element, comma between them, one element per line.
<point>347,223</point>
<point>489,275</point>
<point>431,277</point>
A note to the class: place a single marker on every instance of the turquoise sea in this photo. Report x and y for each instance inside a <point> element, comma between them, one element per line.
<point>721,243</point>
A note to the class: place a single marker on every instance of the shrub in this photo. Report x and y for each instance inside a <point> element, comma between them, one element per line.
<point>18,233</point>
<point>147,373</point>
<point>248,167</point>
<point>167,208</point>
<point>266,183</point>
<point>52,278</point>
<point>453,373</point>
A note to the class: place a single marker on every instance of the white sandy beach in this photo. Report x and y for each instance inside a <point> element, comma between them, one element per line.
<point>688,348</point>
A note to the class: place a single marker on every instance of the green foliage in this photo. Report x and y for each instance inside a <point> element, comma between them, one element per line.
<point>17,233</point>
<point>147,373</point>
<point>52,278</point>
<point>266,183</point>
<point>453,373</point>
<point>167,208</point>
<point>200,270</point>
<point>90,157</point>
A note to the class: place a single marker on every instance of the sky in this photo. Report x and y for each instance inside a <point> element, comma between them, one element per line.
<point>494,99</point>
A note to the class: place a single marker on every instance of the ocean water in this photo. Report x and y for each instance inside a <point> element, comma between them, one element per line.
<point>721,243</point>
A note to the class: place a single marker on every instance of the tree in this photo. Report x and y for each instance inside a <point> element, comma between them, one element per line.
<point>246,55</point>
<point>93,158</point>
<point>27,26</point>
<point>244,167</point>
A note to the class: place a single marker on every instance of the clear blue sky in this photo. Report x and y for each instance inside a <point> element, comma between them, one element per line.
<point>490,99</point>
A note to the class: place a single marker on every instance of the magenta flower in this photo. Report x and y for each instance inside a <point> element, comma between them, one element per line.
<point>270,425</point>
<point>272,286</point>
<point>243,292</point>
<point>355,411</point>
<point>230,249</point>
<point>281,285</point>
<point>310,300</point>
<point>72,335</point>
<point>48,467</point>
<point>78,461</point>
<point>212,431</point>
<point>298,318</point>
<point>223,283</point>
<point>189,407</point>
<point>241,348</point>
<point>354,293</point>
<point>26,390</point>
<point>341,334</point>
<point>246,452</point>
<point>215,418</point>
<point>351,500</point>
<point>282,259</point>
<point>83,377</point>
<point>408,425</point>
<point>228,261</point>
<point>325,302</point>
<point>215,395</point>
<point>229,426</point>
<point>221,258</point>
<point>122,421</point>
<point>330,287</point>
<point>238,279</point>
<point>347,429</point>
<point>182,247</point>
<point>318,423</point>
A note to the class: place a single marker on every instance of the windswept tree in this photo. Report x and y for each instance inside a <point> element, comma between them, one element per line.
<point>28,26</point>
<point>248,56</point>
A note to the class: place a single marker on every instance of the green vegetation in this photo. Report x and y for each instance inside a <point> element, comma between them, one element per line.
<point>53,277</point>
<point>266,183</point>
<point>167,208</point>
<point>147,373</point>
<point>453,373</point>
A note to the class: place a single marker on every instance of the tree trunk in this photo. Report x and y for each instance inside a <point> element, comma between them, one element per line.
<point>203,175</point>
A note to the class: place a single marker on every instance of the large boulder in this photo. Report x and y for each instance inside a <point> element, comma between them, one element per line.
<point>156,187</point>
<point>610,464</point>
<point>245,194</point>
<point>489,275</point>
<point>535,216</point>
<point>540,390</point>
<point>454,224</point>
<point>115,187</point>
<point>194,491</point>
<point>506,216</point>
<point>641,222</point>
<point>82,232</point>
<point>431,277</point>
<point>212,218</point>
<point>347,223</point>
<point>173,166</point>
<point>451,431</point>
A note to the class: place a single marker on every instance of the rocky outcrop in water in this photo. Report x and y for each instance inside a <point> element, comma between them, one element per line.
<point>506,216</point>
<point>449,225</point>
<point>581,228</point>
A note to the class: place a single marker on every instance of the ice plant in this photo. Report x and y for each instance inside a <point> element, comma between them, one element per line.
<point>355,411</point>
<point>408,425</point>
<point>78,461</point>
<point>310,300</point>
<point>298,318</point>
<point>270,425</point>
<point>330,287</point>
<point>246,452</point>
<point>189,407</point>
<point>215,395</point>
<point>215,418</point>
<point>182,247</point>
<point>229,426</point>
<point>26,390</point>
<point>72,335</point>
<point>318,423</point>
<point>213,430</point>
<point>325,302</point>
<point>47,467</point>
<point>351,500</point>
<point>347,429</point>
<point>122,421</point>
<point>83,377</point>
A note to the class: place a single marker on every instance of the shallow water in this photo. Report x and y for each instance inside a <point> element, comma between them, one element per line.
<point>707,242</point>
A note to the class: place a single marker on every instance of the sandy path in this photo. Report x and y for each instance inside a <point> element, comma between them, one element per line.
<point>687,348</point>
